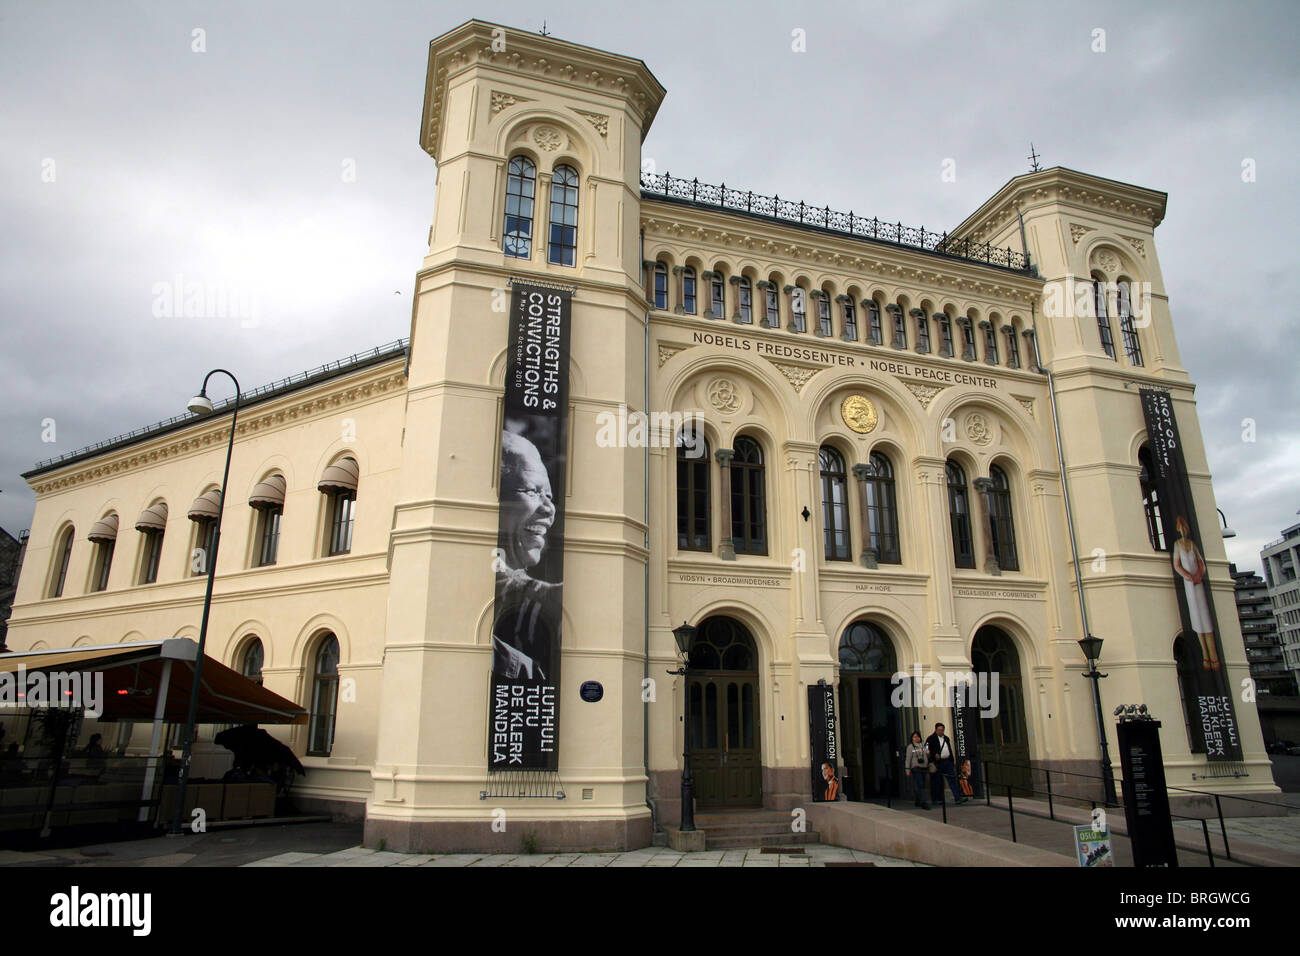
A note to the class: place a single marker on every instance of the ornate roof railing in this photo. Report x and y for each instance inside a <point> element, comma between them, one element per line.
<point>311,376</point>
<point>823,217</point>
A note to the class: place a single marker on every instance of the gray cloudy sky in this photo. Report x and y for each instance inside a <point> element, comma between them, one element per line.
<point>225,167</point>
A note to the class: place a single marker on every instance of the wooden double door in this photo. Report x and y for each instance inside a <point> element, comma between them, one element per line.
<point>724,744</point>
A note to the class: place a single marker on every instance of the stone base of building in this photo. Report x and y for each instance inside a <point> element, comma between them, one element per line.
<point>1075,779</point>
<point>784,788</point>
<point>340,811</point>
<point>569,835</point>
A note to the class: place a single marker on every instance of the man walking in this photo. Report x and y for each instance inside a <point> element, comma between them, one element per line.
<point>941,753</point>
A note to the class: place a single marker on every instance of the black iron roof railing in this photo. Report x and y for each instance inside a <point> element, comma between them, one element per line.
<point>329,370</point>
<point>823,217</point>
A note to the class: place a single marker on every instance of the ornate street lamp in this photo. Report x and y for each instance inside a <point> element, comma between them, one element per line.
<point>1091,647</point>
<point>685,637</point>
<point>200,404</point>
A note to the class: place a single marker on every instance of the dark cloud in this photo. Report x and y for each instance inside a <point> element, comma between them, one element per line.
<point>225,167</point>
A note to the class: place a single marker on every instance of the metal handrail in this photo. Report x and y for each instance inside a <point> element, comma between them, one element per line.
<point>823,217</point>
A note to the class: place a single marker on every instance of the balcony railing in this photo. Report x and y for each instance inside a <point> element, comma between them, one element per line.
<point>823,217</point>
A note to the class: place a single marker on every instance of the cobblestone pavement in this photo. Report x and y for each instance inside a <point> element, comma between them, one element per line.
<point>813,855</point>
<point>1280,832</point>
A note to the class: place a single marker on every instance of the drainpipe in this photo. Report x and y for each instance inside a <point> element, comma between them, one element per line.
<point>645,672</point>
<point>1107,772</point>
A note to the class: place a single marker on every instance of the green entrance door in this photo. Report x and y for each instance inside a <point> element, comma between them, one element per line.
<point>722,694</point>
<point>1004,742</point>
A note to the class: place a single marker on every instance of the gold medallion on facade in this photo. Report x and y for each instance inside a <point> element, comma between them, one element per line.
<point>859,414</point>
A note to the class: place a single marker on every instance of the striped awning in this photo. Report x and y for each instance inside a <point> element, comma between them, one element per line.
<point>268,493</point>
<point>105,529</point>
<point>206,506</point>
<point>340,476</point>
<point>153,518</point>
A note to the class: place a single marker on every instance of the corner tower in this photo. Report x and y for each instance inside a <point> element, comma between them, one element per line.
<point>516,120</point>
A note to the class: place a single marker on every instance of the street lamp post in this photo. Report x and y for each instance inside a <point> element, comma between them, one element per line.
<point>1226,532</point>
<point>685,637</point>
<point>1091,647</point>
<point>200,404</point>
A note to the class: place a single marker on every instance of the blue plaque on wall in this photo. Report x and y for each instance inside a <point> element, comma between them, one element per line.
<point>591,691</point>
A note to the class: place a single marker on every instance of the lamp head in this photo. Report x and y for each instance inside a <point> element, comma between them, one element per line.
<point>200,404</point>
<point>685,637</point>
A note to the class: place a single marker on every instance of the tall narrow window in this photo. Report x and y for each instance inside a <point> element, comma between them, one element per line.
<point>748,511</point>
<point>342,508</point>
<point>1013,347</point>
<point>968,339</point>
<point>324,697</point>
<point>835,504</point>
<point>268,544</point>
<point>1128,331</point>
<point>63,555</point>
<point>250,661</point>
<point>521,186</point>
<point>688,290</point>
<point>922,330</point>
<point>693,518</point>
<point>799,309</point>
<point>900,326</point>
<point>990,343</point>
<point>963,551</point>
<point>882,511</point>
<point>205,537</point>
<point>773,306</point>
<point>876,336</point>
<point>103,535</point>
<point>661,285</point>
<point>1103,319</point>
<point>152,552</point>
<point>850,320</point>
<point>746,297</point>
<point>563,248</point>
<point>1002,524</point>
<point>339,485</point>
<point>945,334</point>
<point>1150,501</point>
<point>718,296</point>
<point>824,314</point>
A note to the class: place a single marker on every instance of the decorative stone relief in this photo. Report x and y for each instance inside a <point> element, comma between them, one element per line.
<point>798,375</point>
<point>1077,231</point>
<point>668,351</point>
<point>724,395</point>
<point>1139,246</point>
<point>1107,261</point>
<point>598,120</point>
<point>548,138</point>
<point>1026,403</point>
<point>502,100</point>
<point>924,393</point>
<point>977,429</point>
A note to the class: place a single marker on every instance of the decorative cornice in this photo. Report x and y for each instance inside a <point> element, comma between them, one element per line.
<point>204,436</point>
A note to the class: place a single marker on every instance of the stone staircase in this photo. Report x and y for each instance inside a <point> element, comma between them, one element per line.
<point>727,829</point>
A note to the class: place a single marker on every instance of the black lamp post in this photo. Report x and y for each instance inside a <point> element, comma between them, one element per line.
<point>1091,647</point>
<point>685,636</point>
<point>200,404</point>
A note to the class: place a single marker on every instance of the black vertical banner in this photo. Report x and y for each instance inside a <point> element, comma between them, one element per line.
<point>1217,719</point>
<point>529,560</point>
<point>1146,798</point>
<point>824,746</point>
<point>965,739</point>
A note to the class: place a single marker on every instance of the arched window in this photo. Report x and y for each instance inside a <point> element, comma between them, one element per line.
<point>324,697</point>
<point>967,338</point>
<point>693,516</point>
<point>723,644</point>
<point>773,306</point>
<point>338,484</point>
<point>866,649</point>
<point>945,334</point>
<point>746,297</point>
<point>963,551</point>
<point>799,309</point>
<point>875,334</point>
<point>835,504</point>
<point>1150,500</point>
<point>850,319</point>
<point>103,535</point>
<point>718,296</point>
<point>62,555</point>
<point>748,512</point>
<point>900,326</point>
<point>1103,318</point>
<point>521,187</point>
<point>882,510</point>
<point>151,524</point>
<point>922,330</point>
<point>1002,525</point>
<point>661,285</point>
<point>824,314</point>
<point>688,290</point>
<point>990,343</point>
<point>250,660</point>
<point>1128,332</point>
<point>563,247</point>
<point>1013,346</point>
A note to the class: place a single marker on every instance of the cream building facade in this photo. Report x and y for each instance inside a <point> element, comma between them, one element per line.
<point>881,491</point>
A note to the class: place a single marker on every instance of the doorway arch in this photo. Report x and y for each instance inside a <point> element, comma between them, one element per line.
<point>1004,738</point>
<point>722,694</point>
<point>873,732</point>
